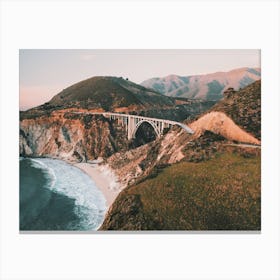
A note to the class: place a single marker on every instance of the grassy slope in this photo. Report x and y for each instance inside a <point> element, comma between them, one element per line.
<point>222,193</point>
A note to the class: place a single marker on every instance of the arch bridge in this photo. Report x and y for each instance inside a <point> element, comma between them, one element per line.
<point>133,122</point>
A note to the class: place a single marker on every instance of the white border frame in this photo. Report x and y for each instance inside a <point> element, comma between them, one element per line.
<point>155,24</point>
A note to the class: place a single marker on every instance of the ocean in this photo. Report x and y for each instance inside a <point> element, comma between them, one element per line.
<point>55,195</point>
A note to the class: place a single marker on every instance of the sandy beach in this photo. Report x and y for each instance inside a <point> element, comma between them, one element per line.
<point>104,179</point>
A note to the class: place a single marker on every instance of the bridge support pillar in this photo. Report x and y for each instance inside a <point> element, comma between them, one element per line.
<point>131,127</point>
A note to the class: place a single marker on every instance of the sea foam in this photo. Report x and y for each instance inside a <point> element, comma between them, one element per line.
<point>49,172</point>
<point>90,204</point>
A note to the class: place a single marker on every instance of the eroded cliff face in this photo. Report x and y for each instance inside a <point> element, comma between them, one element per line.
<point>134,165</point>
<point>70,136</point>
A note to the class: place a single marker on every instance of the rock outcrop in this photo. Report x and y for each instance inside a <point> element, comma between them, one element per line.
<point>70,136</point>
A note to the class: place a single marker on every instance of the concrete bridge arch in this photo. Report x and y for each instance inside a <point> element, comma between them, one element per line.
<point>157,131</point>
<point>133,122</point>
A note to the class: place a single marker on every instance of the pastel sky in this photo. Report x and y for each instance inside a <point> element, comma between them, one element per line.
<point>44,73</point>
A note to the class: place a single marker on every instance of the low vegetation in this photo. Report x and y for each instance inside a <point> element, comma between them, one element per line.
<point>243,107</point>
<point>223,193</point>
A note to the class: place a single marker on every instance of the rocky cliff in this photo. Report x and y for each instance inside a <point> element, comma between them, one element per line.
<point>71,136</point>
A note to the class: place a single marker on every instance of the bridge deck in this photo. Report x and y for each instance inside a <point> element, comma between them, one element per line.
<point>185,127</point>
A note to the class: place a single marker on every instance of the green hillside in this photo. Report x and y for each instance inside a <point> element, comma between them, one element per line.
<point>108,93</point>
<point>219,194</point>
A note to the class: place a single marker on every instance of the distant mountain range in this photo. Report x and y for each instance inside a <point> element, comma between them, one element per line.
<point>208,87</point>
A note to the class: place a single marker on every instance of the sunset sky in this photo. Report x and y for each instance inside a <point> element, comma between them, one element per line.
<point>44,73</point>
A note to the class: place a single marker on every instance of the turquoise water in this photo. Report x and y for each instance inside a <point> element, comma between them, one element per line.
<point>55,195</point>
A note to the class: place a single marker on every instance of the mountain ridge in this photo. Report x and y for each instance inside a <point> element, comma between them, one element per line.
<point>204,86</point>
<point>108,93</point>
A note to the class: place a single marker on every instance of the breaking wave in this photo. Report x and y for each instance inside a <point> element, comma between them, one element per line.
<point>70,181</point>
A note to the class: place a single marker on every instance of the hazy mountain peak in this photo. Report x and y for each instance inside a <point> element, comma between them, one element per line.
<point>209,86</point>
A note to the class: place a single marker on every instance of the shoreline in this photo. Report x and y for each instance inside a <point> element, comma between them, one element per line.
<point>104,179</point>
<point>102,176</point>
